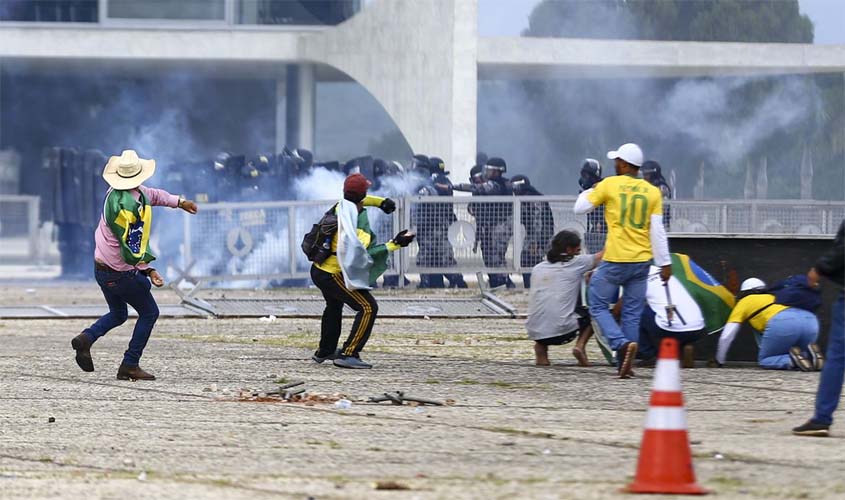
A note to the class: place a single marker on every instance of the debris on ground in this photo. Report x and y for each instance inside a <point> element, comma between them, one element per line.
<point>291,392</point>
<point>399,398</point>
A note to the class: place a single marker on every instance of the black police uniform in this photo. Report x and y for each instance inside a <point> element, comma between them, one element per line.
<point>539,224</point>
<point>494,221</point>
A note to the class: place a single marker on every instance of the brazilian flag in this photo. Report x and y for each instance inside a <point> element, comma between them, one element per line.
<point>130,221</point>
<point>378,252</point>
<point>715,301</point>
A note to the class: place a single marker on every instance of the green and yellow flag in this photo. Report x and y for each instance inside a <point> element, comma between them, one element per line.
<point>130,221</point>
<point>715,301</point>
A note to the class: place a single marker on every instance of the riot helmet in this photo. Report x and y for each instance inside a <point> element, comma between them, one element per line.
<point>590,173</point>
<point>437,165</point>
<point>261,163</point>
<point>494,167</point>
<point>651,172</point>
<point>379,168</point>
<point>220,161</point>
<point>476,175</point>
<point>304,156</point>
<point>420,162</point>
<point>520,184</point>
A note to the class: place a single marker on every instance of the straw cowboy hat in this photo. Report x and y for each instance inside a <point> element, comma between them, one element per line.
<point>127,171</point>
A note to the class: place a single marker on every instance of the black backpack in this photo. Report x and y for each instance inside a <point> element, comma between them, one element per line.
<point>317,243</point>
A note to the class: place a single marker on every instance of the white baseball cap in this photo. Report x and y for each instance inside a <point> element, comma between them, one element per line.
<point>629,152</point>
<point>752,284</point>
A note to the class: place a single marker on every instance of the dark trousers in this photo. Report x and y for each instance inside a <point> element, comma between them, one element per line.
<point>336,295</point>
<point>651,335</point>
<point>120,289</point>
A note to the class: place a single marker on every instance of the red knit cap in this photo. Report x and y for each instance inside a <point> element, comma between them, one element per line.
<point>356,185</point>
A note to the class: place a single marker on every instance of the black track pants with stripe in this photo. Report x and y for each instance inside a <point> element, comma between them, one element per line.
<point>336,295</point>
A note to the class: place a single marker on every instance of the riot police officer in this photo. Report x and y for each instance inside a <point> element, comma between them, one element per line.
<point>494,221</point>
<point>596,231</point>
<point>653,174</point>
<point>444,217</point>
<point>539,224</point>
<point>425,218</point>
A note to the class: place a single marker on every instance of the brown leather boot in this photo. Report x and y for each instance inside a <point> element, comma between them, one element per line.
<point>82,345</point>
<point>133,373</point>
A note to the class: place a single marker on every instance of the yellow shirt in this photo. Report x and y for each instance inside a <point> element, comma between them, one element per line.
<point>629,204</point>
<point>331,265</point>
<point>751,304</point>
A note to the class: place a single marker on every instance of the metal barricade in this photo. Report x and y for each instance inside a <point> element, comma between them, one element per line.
<point>258,241</point>
<point>19,229</point>
<point>462,234</point>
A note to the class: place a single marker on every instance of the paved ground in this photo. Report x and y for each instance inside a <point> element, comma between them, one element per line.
<point>514,430</point>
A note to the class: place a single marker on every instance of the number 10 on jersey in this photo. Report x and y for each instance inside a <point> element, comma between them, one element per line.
<point>633,210</point>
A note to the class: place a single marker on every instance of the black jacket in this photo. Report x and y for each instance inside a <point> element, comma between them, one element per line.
<point>832,263</point>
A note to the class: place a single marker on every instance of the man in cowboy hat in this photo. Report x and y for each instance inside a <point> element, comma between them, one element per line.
<point>121,259</point>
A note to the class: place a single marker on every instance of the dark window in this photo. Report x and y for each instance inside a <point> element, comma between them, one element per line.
<point>167,9</point>
<point>296,12</point>
<point>62,11</point>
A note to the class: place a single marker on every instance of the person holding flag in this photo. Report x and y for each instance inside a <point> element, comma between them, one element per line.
<point>690,304</point>
<point>348,275</point>
<point>122,259</point>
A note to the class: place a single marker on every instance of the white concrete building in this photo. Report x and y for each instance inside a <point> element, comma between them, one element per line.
<point>423,66</point>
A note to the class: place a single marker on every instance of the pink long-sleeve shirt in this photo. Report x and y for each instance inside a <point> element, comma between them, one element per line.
<point>107,246</point>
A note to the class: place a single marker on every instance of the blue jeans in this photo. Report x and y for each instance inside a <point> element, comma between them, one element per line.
<point>604,287</point>
<point>788,328</point>
<point>651,334</point>
<point>120,289</point>
<point>830,384</point>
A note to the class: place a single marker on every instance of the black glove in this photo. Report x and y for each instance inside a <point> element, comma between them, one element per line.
<point>387,206</point>
<point>403,239</point>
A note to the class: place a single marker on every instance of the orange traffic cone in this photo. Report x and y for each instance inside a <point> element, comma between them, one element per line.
<point>665,464</point>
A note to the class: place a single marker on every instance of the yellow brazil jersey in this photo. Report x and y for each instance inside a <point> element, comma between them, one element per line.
<point>629,203</point>
<point>752,303</point>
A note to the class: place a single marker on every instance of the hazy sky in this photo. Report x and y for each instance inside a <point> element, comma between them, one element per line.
<point>510,17</point>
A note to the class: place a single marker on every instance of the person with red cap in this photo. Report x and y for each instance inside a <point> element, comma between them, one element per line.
<point>349,273</point>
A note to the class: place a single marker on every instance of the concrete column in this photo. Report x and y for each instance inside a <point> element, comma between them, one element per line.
<point>422,67</point>
<point>307,104</point>
<point>301,94</point>
<point>281,108</point>
<point>464,129</point>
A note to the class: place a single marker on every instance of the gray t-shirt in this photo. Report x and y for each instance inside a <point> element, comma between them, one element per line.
<point>554,292</point>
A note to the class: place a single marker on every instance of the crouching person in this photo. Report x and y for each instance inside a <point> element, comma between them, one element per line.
<point>788,334</point>
<point>681,319</point>
<point>348,275</point>
<point>553,315</point>
<point>121,260</point>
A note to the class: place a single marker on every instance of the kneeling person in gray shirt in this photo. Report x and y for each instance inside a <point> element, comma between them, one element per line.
<point>555,316</point>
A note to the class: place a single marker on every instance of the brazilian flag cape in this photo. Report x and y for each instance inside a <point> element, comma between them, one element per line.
<point>378,251</point>
<point>714,300</point>
<point>130,221</point>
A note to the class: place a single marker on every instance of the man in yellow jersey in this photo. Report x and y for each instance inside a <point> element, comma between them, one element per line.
<point>635,237</point>
<point>347,275</point>
<point>788,333</point>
